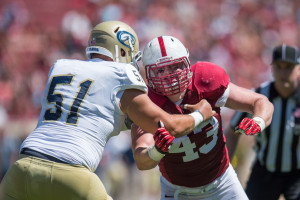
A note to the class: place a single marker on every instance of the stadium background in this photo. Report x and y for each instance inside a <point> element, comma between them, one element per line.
<point>237,35</point>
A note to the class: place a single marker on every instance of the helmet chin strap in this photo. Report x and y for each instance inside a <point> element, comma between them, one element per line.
<point>117,53</point>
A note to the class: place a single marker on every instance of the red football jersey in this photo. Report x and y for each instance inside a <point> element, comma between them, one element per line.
<point>201,156</point>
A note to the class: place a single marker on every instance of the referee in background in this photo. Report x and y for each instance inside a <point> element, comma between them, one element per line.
<point>276,169</point>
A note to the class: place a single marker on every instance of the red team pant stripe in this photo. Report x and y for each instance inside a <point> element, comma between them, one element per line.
<point>162,46</point>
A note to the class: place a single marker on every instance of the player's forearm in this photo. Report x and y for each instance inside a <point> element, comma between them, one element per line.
<point>248,101</point>
<point>180,125</point>
<point>200,112</point>
<point>264,109</point>
<point>143,112</point>
<point>142,159</point>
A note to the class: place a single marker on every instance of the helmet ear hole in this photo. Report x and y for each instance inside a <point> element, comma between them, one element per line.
<point>117,29</point>
<point>123,53</point>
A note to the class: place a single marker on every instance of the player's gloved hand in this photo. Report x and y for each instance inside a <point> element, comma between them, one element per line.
<point>249,126</point>
<point>163,141</point>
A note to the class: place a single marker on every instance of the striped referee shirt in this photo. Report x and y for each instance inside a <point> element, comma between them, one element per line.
<point>278,146</point>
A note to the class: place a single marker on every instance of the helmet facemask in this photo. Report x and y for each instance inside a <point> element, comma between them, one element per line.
<point>169,76</point>
<point>135,56</point>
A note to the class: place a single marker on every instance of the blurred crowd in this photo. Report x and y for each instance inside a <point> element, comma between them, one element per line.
<point>237,35</point>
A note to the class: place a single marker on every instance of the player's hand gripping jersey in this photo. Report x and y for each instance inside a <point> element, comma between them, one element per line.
<point>85,96</point>
<point>200,157</point>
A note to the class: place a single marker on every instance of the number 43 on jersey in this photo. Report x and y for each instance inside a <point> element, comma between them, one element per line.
<point>184,145</point>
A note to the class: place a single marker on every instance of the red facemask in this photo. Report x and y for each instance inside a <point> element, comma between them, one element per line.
<point>168,76</point>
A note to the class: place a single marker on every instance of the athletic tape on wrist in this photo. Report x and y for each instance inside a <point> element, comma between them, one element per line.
<point>154,154</point>
<point>198,117</point>
<point>261,123</point>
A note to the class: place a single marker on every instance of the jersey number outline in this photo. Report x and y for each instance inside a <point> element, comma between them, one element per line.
<point>188,147</point>
<point>58,98</point>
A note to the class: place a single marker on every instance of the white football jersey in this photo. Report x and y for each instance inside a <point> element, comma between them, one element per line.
<point>80,109</point>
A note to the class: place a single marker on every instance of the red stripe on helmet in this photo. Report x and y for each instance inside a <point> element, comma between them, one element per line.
<point>162,46</point>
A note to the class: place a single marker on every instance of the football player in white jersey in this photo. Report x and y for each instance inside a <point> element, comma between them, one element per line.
<point>195,166</point>
<point>85,103</point>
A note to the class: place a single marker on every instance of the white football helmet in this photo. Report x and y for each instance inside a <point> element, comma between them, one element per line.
<point>161,53</point>
<point>116,40</point>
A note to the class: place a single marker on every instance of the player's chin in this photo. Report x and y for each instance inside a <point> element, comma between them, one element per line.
<point>178,96</point>
<point>286,84</point>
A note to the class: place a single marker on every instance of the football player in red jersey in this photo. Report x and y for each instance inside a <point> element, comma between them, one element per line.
<point>195,166</point>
